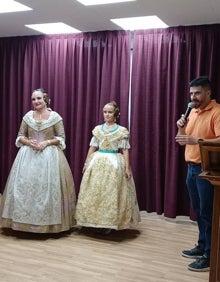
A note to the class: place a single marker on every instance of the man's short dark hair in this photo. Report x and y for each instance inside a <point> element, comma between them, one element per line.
<point>201,81</point>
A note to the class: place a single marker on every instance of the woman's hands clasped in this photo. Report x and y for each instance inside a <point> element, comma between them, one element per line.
<point>38,146</point>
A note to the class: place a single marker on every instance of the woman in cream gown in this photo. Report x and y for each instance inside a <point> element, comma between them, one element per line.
<point>39,195</point>
<point>107,197</point>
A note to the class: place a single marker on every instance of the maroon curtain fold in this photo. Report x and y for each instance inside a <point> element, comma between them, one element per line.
<point>164,61</point>
<point>80,73</point>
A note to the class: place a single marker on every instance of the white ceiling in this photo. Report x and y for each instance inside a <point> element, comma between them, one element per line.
<point>94,18</point>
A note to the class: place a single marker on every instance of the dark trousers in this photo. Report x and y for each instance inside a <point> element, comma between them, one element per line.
<point>201,193</point>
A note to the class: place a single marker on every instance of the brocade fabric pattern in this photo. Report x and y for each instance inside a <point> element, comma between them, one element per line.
<point>39,195</point>
<point>106,198</point>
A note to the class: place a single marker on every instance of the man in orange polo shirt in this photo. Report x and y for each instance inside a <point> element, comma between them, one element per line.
<point>203,123</point>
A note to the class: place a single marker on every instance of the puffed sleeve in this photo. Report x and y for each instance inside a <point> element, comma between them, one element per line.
<point>124,139</point>
<point>60,134</point>
<point>23,131</point>
<point>94,142</point>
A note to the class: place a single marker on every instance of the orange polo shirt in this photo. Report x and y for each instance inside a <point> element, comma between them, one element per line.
<point>205,124</point>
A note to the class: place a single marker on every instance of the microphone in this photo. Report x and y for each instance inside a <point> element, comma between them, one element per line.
<point>190,106</point>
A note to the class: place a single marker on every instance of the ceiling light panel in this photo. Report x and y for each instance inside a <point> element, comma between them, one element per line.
<point>9,6</point>
<point>102,2</point>
<point>135,23</point>
<point>53,28</point>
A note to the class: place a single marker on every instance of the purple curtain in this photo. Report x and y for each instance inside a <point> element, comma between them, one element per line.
<point>164,61</point>
<point>80,73</point>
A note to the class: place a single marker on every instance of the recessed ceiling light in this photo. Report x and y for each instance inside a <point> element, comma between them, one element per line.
<point>9,6</point>
<point>53,28</point>
<point>135,23</point>
<point>101,2</point>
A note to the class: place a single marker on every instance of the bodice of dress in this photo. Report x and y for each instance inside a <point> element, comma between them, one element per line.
<point>44,130</point>
<point>117,138</point>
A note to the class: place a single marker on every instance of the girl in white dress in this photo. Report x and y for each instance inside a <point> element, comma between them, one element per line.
<point>107,198</point>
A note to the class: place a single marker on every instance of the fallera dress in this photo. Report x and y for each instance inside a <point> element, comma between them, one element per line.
<point>106,198</point>
<point>39,195</point>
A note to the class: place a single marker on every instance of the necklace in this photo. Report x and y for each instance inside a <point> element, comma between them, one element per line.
<point>38,117</point>
<point>109,129</point>
<point>109,126</point>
